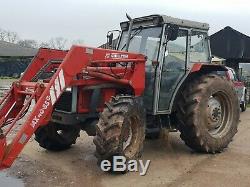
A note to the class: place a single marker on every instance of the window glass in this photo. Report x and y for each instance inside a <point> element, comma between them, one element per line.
<point>199,50</point>
<point>145,41</point>
<point>173,68</point>
<point>176,50</point>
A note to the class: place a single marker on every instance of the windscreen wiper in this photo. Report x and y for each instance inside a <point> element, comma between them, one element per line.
<point>137,31</point>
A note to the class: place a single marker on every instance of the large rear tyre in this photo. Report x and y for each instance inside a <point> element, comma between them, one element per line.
<point>120,130</point>
<point>208,114</point>
<point>56,137</point>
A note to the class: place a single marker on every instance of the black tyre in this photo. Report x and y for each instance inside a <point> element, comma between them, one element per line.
<point>120,130</point>
<point>243,105</point>
<point>56,137</point>
<point>208,113</point>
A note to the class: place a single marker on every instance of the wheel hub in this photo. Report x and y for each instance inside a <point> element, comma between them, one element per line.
<point>214,113</point>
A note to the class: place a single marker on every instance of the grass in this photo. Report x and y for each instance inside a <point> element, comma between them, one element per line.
<point>248,105</point>
<point>7,78</point>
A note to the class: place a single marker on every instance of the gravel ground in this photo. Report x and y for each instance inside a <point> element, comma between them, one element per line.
<point>172,164</point>
<point>4,85</point>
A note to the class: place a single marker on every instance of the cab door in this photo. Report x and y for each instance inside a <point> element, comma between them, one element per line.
<point>172,70</point>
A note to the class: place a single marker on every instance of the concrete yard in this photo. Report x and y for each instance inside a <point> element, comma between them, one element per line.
<point>172,164</point>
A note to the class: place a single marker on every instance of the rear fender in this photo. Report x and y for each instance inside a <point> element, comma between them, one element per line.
<point>198,69</point>
<point>207,68</point>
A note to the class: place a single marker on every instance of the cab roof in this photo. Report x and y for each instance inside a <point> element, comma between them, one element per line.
<point>161,19</point>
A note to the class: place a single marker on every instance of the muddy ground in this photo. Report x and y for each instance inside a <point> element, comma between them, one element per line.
<point>172,164</point>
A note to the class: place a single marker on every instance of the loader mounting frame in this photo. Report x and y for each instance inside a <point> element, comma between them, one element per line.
<point>79,67</point>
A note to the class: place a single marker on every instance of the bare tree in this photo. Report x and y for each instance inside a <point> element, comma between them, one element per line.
<point>44,45</point>
<point>58,43</point>
<point>2,34</point>
<point>77,42</point>
<point>11,37</point>
<point>28,43</point>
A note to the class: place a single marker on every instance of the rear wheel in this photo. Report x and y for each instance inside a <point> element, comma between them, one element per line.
<point>56,137</point>
<point>120,130</point>
<point>208,114</point>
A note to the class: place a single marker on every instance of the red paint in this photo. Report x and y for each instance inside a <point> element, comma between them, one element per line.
<point>196,67</point>
<point>91,66</point>
<point>237,84</point>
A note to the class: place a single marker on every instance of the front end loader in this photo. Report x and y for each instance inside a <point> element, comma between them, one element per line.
<point>159,76</point>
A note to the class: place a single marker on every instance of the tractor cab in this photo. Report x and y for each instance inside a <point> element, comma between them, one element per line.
<point>171,46</point>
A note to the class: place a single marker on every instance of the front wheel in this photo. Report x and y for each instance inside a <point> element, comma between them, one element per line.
<point>56,137</point>
<point>120,130</point>
<point>208,114</point>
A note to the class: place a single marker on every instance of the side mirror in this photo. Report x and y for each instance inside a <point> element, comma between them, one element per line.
<point>110,38</point>
<point>172,32</point>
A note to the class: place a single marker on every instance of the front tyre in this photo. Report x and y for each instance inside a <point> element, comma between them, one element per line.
<point>120,130</point>
<point>56,137</point>
<point>208,113</point>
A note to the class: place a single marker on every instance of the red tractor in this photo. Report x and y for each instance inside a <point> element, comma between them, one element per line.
<point>159,76</point>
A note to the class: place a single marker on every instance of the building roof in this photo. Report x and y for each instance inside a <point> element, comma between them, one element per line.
<point>229,43</point>
<point>13,50</point>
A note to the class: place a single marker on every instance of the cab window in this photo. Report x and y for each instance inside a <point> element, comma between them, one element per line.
<point>199,49</point>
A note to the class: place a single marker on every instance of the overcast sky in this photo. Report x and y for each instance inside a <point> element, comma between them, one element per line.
<point>90,20</point>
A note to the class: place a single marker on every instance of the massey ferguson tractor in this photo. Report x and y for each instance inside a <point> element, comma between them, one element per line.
<point>159,76</point>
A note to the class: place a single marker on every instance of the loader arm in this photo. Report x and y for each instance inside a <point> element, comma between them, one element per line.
<point>79,66</point>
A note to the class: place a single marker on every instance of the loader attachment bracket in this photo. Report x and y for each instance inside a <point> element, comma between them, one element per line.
<point>81,66</point>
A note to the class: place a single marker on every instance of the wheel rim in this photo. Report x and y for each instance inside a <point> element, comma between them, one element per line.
<point>130,142</point>
<point>219,114</point>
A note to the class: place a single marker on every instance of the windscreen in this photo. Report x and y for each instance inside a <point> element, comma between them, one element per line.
<point>144,41</point>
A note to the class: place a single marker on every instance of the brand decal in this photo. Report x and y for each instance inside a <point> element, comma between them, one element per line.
<point>54,92</point>
<point>116,56</point>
